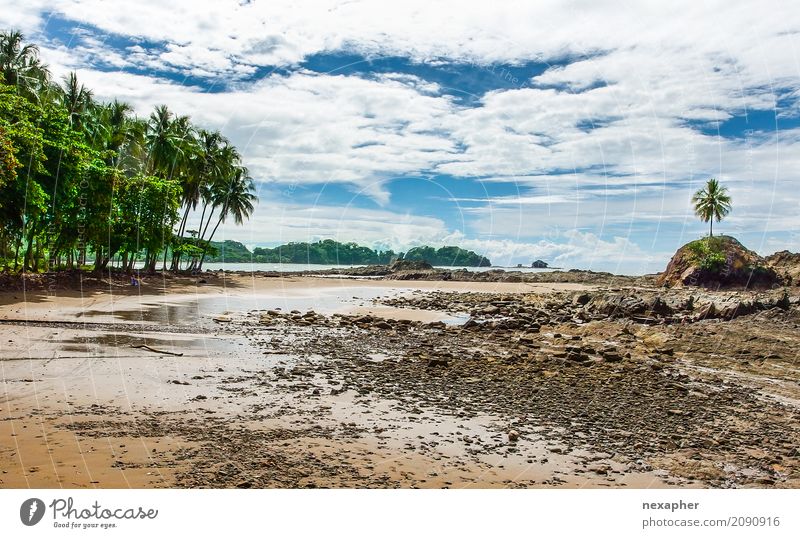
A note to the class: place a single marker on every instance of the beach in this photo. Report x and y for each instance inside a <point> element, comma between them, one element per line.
<point>248,380</point>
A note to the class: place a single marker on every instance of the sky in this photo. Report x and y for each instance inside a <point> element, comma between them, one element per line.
<point>569,131</point>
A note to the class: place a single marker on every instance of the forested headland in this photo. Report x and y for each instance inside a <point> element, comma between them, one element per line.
<point>330,252</point>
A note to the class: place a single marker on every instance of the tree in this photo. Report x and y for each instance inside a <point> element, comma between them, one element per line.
<point>80,176</point>
<point>236,198</point>
<point>20,65</point>
<point>712,202</point>
<point>77,99</point>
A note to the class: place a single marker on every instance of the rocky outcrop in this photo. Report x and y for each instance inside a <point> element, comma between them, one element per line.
<point>539,264</point>
<point>718,262</point>
<point>787,265</point>
<point>410,265</point>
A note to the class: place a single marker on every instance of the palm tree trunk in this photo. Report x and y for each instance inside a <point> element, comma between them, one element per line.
<point>202,218</point>
<point>182,227</point>
<point>213,208</point>
<point>203,257</point>
<point>711,229</point>
<point>16,253</point>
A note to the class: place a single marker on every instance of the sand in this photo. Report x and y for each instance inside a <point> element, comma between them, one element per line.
<point>67,359</point>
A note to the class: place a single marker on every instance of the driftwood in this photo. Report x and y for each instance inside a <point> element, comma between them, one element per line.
<point>154,350</point>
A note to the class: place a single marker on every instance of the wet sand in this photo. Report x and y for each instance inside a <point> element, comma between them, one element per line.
<point>227,395</point>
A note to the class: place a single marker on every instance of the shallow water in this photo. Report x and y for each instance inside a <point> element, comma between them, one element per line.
<point>201,310</point>
<point>299,267</point>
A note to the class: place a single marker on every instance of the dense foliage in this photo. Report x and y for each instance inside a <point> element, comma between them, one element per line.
<point>330,252</point>
<point>709,253</point>
<point>448,257</point>
<point>82,180</point>
<point>324,252</point>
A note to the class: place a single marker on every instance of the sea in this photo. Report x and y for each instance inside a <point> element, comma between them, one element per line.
<point>295,267</point>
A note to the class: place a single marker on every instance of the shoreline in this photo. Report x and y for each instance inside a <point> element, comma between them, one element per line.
<point>301,381</point>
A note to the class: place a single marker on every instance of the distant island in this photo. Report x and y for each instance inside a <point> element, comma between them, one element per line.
<point>330,252</point>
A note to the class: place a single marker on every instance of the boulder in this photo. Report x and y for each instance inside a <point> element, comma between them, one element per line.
<point>718,262</point>
<point>410,265</point>
<point>580,299</point>
<point>787,265</point>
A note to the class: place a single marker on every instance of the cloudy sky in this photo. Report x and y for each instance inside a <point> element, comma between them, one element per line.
<point>574,132</point>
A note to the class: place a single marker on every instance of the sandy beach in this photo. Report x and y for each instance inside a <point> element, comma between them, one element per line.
<point>296,381</point>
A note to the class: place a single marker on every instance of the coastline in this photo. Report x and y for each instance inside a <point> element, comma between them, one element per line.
<point>297,381</point>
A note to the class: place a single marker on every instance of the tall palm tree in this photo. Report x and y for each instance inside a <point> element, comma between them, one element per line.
<point>712,202</point>
<point>171,143</point>
<point>228,159</point>
<point>118,119</point>
<point>20,65</point>
<point>77,99</point>
<point>207,167</point>
<point>236,198</point>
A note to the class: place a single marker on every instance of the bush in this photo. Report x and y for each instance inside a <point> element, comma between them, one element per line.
<point>708,254</point>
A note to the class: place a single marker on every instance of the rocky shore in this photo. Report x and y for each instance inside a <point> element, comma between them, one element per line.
<point>615,384</point>
<point>657,379</point>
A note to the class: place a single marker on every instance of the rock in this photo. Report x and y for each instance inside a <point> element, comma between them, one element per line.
<point>657,305</point>
<point>409,265</point>
<point>470,323</point>
<point>437,363</point>
<point>513,436</point>
<point>718,262</point>
<point>787,265</point>
<point>385,325</point>
<point>580,299</point>
<point>539,264</point>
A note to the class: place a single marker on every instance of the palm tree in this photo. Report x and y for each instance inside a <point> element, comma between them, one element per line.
<point>207,167</point>
<point>236,198</point>
<point>77,99</point>
<point>712,202</point>
<point>228,159</point>
<point>20,65</point>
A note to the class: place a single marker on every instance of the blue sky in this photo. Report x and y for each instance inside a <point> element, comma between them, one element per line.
<point>568,131</point>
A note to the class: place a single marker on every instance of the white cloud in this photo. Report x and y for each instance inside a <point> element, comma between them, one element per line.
<point>304,127</point>
<point>285,31</point>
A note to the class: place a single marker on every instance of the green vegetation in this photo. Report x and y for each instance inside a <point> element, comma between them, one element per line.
<point>330,252</point>
<point>324,252</point>
<point>709,253</point>
<point>85,180</point>
<point>229,251</point>
<point>447,256</point>
<point>712,202</point>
